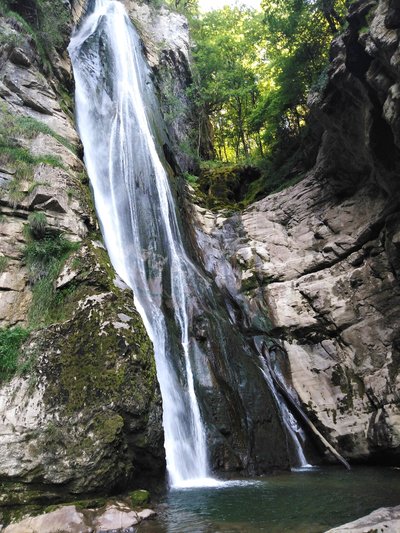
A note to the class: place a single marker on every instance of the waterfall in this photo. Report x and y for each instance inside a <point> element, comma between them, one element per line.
<point>117,122</point>
<point>207,364</point>
<point>293,430</point>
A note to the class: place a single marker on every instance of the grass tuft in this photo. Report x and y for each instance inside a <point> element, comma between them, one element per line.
<point>11,340</point>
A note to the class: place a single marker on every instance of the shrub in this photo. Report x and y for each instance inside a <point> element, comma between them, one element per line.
<point>11,340</point>
<point>37,225</point>
<point>44,258</point>
<point>41,255</point>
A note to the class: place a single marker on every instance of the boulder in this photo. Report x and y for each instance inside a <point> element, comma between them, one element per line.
<point>385,519</point>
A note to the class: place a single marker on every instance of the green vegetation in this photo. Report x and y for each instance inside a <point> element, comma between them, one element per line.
<point>16,158</point>
<point>46,21</point>
<point>253,72</point>
<point>45,254</point>
<point>37,225</point>
<point>11,340</point>
<point>139,497</point>
<point>3,263</point>
<point>256,68</point>
<point>28,127</point>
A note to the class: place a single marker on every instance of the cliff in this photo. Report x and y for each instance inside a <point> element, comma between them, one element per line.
<point>79,400</point>
<point>314,269</point>
<point>316,266</point>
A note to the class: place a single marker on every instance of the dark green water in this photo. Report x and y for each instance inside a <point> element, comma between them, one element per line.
<point>297,502</point>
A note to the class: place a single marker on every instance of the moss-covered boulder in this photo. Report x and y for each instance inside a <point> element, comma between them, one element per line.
<point>139,497</point>
<point>226,185</point>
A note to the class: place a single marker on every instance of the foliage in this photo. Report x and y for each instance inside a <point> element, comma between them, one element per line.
<point>298,35</point>
<point>16,158</point>
<point>3,263</point>
<point>44,254</point>
<point>37,224</point>
<point>228,60</point>
<point>11,340</point>
<point>12,125</point>
<point>190,178</point>
<point>253,73</point>
<point>46,21</point>
<point>186,7</point>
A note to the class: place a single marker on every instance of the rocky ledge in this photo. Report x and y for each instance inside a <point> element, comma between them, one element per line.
<point>116,517</point>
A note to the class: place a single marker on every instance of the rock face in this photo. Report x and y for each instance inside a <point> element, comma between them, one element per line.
<point>385,519</point>
<point>165,36</point>
<point>317,266</point>
<point>83,411</point>
<point>116,517</point>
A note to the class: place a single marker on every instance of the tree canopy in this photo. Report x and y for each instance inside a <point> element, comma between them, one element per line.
<point>254,70</point>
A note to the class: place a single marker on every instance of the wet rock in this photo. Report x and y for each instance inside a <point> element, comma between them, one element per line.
<point>60,434</point>
<point>385,519</point>
<point>66,520</point>
<point>147,514</point>
<point>116,519</point>
<point>317,266</point>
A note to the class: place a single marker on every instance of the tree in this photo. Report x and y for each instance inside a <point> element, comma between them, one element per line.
<point>254,71</point>
<point>227,57</point>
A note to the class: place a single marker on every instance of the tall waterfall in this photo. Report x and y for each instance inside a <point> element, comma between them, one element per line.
<point>207,361</point>
<point>117,121</point>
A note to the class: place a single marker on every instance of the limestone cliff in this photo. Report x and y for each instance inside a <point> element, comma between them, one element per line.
<point>317,265</point>
<point>80,408</point>
<point>314,267</point>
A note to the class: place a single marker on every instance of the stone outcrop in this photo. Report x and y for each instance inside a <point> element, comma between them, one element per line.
<point>385,519</point>
<point>115,516</point>
<point>316,266</point>
<point>165,36</point>
<point>83,411</point>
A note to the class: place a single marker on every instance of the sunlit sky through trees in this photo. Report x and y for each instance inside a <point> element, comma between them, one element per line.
<point>208,5</point>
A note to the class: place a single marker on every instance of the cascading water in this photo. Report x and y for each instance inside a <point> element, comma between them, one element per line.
<point>115,107</point>
<point>293,429</point>
<point>201,354</point>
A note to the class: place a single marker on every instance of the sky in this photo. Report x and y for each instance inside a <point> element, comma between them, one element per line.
<point>208,5</point>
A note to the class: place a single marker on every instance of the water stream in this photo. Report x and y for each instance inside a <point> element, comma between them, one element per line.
<point>122,133</point>
<point>137,212</point>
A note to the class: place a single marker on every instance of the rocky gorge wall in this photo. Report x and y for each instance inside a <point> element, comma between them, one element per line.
<point>80,409</point>
<point>316,266</point>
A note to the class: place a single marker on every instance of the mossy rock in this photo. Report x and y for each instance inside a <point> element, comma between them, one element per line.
<point>226,186</point>
<point>101,425</point>
<point>139,497</point>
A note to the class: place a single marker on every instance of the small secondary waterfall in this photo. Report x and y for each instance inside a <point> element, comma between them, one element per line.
<point>117,117</point>
<point>293,429</point>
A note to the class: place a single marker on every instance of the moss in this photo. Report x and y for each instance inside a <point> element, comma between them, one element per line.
<point>107,428</point>
<point>226,186</point>
<point>89,503</point>
<point>15,494</point>
<point>139,497</point>
<point>88,370</point>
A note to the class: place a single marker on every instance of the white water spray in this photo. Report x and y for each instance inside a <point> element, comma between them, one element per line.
<point>116,112</point>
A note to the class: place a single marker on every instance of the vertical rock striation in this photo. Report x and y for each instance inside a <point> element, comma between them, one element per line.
<point>317,265</point>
